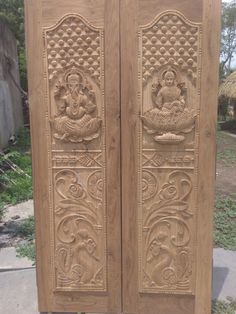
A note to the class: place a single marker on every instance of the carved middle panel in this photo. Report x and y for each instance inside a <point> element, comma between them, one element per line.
<point>74,80</point>
<point>169,97</point>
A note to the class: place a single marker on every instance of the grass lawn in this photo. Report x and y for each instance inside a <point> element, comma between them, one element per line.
<point>16,172</point>
<point>225,205</point>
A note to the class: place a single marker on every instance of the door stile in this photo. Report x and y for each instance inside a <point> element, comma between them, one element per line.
<point>113,153</point>
<point>207,153</point>
<point>129,147</point>
<point>39,149</point>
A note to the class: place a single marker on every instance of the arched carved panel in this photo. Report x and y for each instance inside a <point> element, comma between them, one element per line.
<point>169,99</point>
<point>74,78</point>
<point>73,40</point>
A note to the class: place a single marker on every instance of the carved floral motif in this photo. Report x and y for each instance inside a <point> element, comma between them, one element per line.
<point>149,185</point>
<point>166,252</point>
<point>79,235</point>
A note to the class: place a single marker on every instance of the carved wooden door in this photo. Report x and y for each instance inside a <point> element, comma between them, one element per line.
<point>73,65</point>
<point>169,75</point>
<point>147,248</point>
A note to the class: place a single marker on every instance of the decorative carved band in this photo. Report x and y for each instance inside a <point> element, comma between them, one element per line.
<point>169,97</point>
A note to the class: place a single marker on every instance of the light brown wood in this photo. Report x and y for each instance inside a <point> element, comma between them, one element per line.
<point>169,60</point>
<point>74,74</point>
<point>207,153</point>
<point>123,114</point>
<point>55,313</point>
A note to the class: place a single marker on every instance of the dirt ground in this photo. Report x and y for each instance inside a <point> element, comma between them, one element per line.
<point>226,165</point>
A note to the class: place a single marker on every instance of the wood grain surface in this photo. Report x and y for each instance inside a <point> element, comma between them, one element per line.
<point>155,47</point>
<point>123,104</point>
<point>76,171</point>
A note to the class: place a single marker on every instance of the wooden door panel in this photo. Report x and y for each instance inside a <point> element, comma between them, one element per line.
<point>168,65</point>
<point>74,101</point>
<point>167,50</point>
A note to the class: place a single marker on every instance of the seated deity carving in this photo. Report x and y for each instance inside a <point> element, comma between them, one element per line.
<point>171,115</point>
<point>76,120</point>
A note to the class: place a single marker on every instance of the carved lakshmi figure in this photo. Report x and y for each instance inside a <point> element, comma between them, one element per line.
<point>76,120</point>
<point>169,98</point>
<point>171,114</point>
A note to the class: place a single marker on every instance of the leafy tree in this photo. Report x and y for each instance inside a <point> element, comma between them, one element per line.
<point>228,37</point>
<point>12,13</point>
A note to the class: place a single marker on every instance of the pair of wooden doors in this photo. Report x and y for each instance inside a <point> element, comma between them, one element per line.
<point>123,98</point>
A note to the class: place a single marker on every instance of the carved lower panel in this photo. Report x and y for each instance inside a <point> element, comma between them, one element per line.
<point>80,241</point>
<point>74,79</point>
<point>169,98</point>
<point>167,231</point>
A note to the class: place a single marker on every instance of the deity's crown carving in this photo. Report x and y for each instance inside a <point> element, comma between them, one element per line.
<point>73,75</point>
<point>170,71</point>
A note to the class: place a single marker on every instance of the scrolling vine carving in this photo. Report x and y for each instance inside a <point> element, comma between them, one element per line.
<point>79,235</point>
<point>166,236</point>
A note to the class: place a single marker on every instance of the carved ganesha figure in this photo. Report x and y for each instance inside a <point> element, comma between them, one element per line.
<point>171,115</point>
<point>76,120</point>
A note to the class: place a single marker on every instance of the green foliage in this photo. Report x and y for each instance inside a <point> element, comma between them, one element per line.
<point>18,188</point>
<point>16,184</point>
<point>229,126</point>
<point>23,140</point>
<point>228,37</point>
<point>26,231</point>
<point>228,156</point>
<point>224,307</point>
<point>223,108</point>
<point>23,68</point>
<point>225,223</point>
<point>2,212</point>
<point>26,228</point>
<point>26,250</point>
<point>12,13</point>
<point>226,152</point>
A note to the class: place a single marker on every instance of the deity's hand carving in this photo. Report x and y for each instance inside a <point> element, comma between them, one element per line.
<point>76,120</point>
<point>171,114</point>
